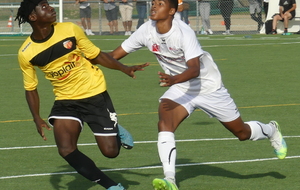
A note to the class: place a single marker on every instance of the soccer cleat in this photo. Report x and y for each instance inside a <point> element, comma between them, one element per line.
<point>164,184</point>
<point>125,137</point>
<point>227,32</point>
<point>117,187</point>
<point>274,32</point>
<point>277,141</point>
<point>91,33</point>
<point>210,32</point>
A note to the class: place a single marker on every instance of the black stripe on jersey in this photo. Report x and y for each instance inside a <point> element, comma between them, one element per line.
<point>54,52</point>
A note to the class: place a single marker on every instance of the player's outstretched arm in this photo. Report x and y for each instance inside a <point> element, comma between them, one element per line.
<point>33,101</point>
<point>192,71</point>
<point>118,53</point>
<point>108,61</point>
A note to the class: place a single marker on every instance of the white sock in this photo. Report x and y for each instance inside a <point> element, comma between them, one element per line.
<point>260,130</point>
<point>167,152</point>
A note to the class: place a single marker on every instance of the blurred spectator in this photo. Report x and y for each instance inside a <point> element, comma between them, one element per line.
<point>141,7</point>
<point>111,12</point>
<point>185,12</point>
<point>286,12</point>
<point>204,10</point>
<point>126,9</point>
<point>226,7</point>
<point>179,10</point>
<point>85,15</point>
<point>255,12</point>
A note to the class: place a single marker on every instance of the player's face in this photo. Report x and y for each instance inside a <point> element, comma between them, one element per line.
<point>44,12</point>
<point>161,10</point>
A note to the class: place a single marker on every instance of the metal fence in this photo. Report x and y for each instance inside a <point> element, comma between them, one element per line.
<point>241,21</point>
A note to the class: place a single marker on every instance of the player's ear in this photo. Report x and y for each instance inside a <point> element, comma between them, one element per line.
<point>32,17</point>
<point>172,11</point>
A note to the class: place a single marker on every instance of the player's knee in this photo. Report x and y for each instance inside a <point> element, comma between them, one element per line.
<point>110,152</point>
<point>63,152</point>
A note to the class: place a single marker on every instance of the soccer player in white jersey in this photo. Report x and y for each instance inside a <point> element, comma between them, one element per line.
<point>195,83</point>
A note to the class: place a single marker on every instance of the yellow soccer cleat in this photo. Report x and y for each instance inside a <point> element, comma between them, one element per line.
<point>277,141</point>
<point>164,184</point>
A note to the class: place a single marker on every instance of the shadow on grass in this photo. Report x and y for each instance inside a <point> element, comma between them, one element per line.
<point>183,173</point>
<point>193,171</point>
<point>81,183</point>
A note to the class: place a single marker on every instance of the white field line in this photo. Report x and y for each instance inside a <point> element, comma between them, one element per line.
<point>234,45</point>
<point>136,142</point>
<point>151,167</point>
<point>145,167</point>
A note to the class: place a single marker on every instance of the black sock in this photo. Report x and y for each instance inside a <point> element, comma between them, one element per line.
<point>87,168</point>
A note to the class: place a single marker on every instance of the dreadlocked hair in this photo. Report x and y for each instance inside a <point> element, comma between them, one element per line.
<point>25,9</point>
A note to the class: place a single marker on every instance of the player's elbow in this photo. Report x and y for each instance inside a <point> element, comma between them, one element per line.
<point>112,54</point>
<point>195,72</point>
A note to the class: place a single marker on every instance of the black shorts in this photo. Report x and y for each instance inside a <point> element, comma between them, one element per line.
<point>293,13</point>
<point>86,12</point>
<point>97,111</point>
<point>111,14</point>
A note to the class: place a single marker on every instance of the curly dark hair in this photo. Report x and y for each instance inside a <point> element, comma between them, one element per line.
<point>174,4</point>
<point>25,9</point>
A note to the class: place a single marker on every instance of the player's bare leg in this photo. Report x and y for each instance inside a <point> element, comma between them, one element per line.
<point>255,130</point>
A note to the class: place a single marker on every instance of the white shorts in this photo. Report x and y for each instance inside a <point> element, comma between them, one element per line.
<point>217,104</point>
<point>126,12</point>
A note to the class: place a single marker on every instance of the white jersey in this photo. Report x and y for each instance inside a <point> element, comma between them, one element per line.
<point>172,50</point>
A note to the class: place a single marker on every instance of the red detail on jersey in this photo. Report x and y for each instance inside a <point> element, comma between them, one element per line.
<point>155,47</point>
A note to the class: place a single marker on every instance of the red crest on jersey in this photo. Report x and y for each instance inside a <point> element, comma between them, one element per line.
<point>155,47</point>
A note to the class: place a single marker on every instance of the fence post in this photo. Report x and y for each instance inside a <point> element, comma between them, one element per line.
<point>100,18</point>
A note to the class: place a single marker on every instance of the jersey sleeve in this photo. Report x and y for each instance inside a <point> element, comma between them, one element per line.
<point>84,44</point>
<point>29,73</point>
<point>136,40</point>
<point>191,45</point>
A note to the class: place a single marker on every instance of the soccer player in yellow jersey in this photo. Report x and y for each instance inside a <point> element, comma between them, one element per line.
<point>68,59</point>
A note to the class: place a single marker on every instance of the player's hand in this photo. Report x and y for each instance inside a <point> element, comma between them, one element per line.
<point>166,79</point>
<point>40,124</point>
<point>130,70</point>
